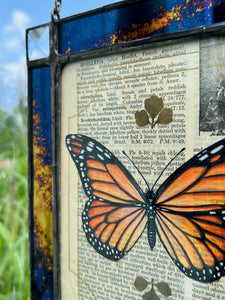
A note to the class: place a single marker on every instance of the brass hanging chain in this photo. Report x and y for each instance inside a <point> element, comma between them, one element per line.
<point>58,5</point>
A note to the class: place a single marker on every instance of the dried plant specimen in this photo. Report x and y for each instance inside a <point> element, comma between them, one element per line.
<point>141,285</point>
<point>154,113</point>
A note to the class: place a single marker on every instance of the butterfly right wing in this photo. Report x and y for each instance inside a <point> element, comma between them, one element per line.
<point>190,215</point>
<point>114,217</point>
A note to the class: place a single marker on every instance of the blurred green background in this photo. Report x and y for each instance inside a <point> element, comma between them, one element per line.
<point>14,263</point>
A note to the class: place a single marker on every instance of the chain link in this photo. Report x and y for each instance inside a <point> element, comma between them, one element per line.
<point>58,5</point>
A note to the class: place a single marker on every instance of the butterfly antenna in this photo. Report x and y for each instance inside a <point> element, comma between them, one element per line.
<point>166,167</point>
<point>137,169</point>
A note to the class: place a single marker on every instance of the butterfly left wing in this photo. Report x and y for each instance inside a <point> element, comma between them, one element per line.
<point>115,214</point>
<point>191,213</point>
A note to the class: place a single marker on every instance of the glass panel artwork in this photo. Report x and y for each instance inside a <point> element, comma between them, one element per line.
<point>38,43</point>
<point>126,152</point>
<point>160,234</point>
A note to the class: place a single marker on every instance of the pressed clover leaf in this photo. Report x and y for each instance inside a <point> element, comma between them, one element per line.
<point>140,283</point>
<point>151,295</point>
<point>165,116</point>
<point>142,118</point>
<point>164,289</point>
<point>153,105</point>
<point>154,109</point>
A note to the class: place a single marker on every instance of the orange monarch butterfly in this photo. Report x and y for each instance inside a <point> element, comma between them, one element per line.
<point>187,211</point>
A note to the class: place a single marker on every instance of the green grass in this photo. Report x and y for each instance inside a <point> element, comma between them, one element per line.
<point>14,254</point>
<point>14,257</point>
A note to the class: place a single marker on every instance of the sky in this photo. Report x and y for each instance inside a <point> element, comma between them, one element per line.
<point>15,17</point>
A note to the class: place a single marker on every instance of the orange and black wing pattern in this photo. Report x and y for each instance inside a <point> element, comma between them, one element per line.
<point>114,217</point>
<point>190,218</point>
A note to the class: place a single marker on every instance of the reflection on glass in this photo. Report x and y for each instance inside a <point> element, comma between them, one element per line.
<point>38,43</point>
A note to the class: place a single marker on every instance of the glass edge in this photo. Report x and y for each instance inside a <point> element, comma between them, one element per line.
<point>189,33</point>
<point>36,27</point>
<point>200,31</point>
<point>100,9</point>
<point>27,46</point>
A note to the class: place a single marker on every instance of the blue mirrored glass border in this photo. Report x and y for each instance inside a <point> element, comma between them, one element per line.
<point>136,20</point>
<point>40,170</point>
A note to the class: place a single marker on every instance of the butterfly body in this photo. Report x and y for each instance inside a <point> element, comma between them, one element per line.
<point>187,212</point>
<point>151,214</point>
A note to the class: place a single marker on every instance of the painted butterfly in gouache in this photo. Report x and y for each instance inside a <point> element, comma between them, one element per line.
<point>187,211</point>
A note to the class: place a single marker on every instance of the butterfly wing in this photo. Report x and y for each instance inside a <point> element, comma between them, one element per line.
<point>114,217</point>
<point>191,212</point>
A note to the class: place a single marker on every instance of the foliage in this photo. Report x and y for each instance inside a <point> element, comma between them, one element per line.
<point>154,110</point>
<point>141,285</point>
<point>14,268</point>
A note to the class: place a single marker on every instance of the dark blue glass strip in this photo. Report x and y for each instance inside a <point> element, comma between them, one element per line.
<point>42,233</point>
<point>137,20</point>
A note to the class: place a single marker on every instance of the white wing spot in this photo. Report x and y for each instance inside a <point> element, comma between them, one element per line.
<point>89,149</point>
<point>101,157</point>
<point>91,144</point>
<point>107,155</point>
<point>204,157</point>
<point>212,213</point>
<point>100,149</point>
<point>217,149</point>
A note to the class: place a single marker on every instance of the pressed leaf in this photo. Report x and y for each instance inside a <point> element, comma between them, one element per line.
<point>165,116</point>
<point>140,283</point>
<point>142,118</point>
<point>164,289</point>
<point>153,105</point>
<point>151,295</point>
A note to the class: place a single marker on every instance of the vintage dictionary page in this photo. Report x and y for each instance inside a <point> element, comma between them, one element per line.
<point>100,97</point>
